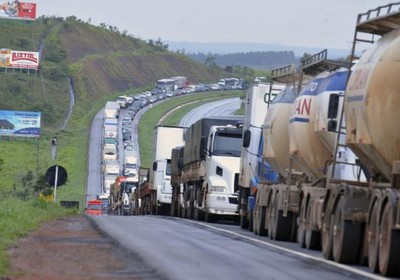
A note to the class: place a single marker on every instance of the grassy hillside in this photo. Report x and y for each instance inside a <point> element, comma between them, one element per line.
<point>102,63</point>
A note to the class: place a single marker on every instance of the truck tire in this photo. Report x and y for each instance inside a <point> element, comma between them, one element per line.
<point>261,230</point>
<point>389,243</point>
<point>210,218</point>
<point>346,237</point>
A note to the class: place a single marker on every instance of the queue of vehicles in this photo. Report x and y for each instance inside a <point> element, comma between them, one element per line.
<point>317,163</point>
<point>327,155</point>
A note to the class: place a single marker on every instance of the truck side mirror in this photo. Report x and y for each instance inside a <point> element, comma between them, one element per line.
<point>155,166</point>
<point>246,138</point>
<point>333,106</point>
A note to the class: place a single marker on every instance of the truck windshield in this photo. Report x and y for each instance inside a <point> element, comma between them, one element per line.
<point>227,143</point>
<point>94,207</point>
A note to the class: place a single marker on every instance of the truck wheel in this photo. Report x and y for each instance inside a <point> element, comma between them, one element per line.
<point>210,218</point>
<point>389,244</point>
<point>301,230</point>
<point>327,233</point>
<point>373,240</point>
<point>244,222</point>
<point>251,221</point>
<point>281,225</point>
<point>261,230</point>
<point>255,220</point>
<point>346,237</point>
<point>197,213</point>
<point>312,237</point>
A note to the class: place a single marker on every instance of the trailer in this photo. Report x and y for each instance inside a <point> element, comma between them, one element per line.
<point>156,193</point>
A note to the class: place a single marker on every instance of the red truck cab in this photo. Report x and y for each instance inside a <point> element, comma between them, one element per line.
<point>94,207</point>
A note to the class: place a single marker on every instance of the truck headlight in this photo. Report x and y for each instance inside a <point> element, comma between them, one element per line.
<point>217,189</point>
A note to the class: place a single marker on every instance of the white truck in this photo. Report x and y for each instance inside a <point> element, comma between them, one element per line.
<point>110,128</point>
<point>210,170</point>
<point>110,173</point>
<point>130,163</point>
<point>258,98</point>
<point>111,110</point>
<point>180,82</point>
<point>156,193</point>
<point>110,151</point>
<point>122,101</point>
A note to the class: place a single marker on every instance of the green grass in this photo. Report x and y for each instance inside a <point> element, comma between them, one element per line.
<point>150,119</point>
<point>18,218</point>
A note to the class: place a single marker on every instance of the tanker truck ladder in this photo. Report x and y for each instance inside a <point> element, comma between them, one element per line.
<point>375,22</point>
<point>287,74</point>
<point>341,147</point>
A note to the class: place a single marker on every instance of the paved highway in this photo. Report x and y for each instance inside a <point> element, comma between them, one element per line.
<point>186,249</point>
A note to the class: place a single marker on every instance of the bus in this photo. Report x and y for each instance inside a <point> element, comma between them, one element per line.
<point>165,85</point>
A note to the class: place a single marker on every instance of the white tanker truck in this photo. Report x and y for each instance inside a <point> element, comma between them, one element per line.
<point>336,147</point>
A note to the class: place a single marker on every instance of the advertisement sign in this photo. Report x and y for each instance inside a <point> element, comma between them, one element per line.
<point>18,10</point>
<point>19,123</point>
<point>19,59</point>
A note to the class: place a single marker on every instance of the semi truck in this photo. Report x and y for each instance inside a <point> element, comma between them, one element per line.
<point>110,172</point>
<point>335,143</point>
<point>156,193</point>
<point>257,100</point>
<point>111,110</point>
<point>210,170</point>
<point>122,196</point>
<point>180,82</point>
<point>176,180</point>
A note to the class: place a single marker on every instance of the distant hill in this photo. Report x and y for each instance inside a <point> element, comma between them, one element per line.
<point>257,60</point>
<point>100,60</point>
<point>229,48</point>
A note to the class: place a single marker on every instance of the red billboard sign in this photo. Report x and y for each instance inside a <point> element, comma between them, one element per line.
<point>18,10</point>
<point>19,59</point>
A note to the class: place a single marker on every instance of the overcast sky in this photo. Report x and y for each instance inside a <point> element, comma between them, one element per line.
<point>309,23</point>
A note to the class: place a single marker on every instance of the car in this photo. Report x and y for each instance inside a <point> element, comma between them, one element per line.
<point>127,135</point>
<point>128,148</point>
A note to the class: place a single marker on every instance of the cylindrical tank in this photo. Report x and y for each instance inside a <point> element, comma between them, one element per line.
<point>276,133</point>
<point>311,144</point>
<point>372,106</point>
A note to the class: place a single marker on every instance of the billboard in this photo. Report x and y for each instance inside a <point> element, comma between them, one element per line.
<point>19,123</point>
<point>19,59</point>
<point>18,10</point>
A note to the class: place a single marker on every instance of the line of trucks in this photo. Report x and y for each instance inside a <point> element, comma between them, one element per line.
<point>318,164</point>
<point>117,191</point>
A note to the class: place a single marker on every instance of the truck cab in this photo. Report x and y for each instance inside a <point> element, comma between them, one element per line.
<point>222,163</point>
<point>94,207</point>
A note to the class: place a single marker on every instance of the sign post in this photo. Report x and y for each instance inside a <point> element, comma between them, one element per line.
<point>55,183</point>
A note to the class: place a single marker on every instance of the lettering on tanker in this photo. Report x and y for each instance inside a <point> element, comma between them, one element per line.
<point>302,106</point>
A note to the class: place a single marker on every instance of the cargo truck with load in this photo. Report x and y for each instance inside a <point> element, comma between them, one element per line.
<point>110,172</point>
<point>176,180</point>
<point>156,193</point>
<point>111,110</point>
<point>180,82</point>
<point>210,170</point>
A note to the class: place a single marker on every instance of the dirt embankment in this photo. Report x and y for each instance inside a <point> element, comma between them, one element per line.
<point>71,248</point>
